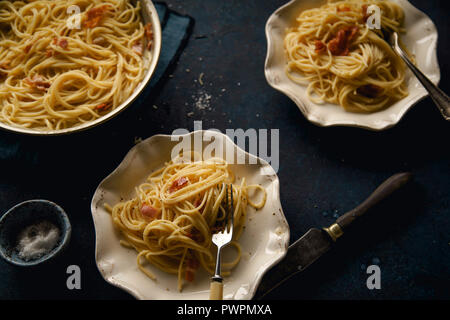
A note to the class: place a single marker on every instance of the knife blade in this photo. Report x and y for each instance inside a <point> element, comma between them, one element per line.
<point>314,243</point>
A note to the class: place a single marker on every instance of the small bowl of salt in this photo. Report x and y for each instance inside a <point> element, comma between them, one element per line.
<point>33,232</point>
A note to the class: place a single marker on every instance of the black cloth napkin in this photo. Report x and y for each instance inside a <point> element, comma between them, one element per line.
<point>176,30</point>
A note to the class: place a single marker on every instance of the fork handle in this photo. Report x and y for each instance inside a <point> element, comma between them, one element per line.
<point>441,100</point>
<point>216,289</point>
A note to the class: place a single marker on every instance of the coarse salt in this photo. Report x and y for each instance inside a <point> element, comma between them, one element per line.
<point>203,100</point>
<point>37,240</point>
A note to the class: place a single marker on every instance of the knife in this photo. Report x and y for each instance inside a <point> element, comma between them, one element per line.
<point>316,242</point>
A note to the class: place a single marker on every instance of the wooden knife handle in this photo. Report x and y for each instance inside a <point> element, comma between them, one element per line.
<point>383,191</point>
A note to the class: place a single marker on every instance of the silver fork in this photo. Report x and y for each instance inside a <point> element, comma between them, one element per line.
<point>441,100</point>
<point>222,239</point>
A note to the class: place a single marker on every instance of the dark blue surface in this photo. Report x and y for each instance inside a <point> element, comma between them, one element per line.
<point>323,171</point>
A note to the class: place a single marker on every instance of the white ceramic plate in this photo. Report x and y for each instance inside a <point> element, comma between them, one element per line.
<point>420,39</point>
<point>264,241</point>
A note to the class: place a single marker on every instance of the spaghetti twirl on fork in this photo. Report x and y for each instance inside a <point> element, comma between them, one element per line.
<point>171,219</point>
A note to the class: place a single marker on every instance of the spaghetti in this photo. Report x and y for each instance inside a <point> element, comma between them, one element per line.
<point>333,51</point>
<point>171,219</point>
<point>57,73</point>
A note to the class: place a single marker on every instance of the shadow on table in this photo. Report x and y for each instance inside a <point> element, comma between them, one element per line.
<point>346,262</point>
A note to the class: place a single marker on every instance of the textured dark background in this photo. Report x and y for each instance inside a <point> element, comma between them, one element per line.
<point>323,171</point>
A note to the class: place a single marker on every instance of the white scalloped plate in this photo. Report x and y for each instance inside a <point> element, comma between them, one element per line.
<point>264,241</point>
<point>420,39</point>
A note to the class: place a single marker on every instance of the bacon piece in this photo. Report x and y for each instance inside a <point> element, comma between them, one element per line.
<point>148,31</point>
<point>192,265</point>
<point>38,83</point>
<point>338,46</point>
<point>364,12</point>
<point>189,275</point>
<point>369,90</point>
<point>49,52</point>
<point>320,46</point>
<point>63,43</point>
<point>148,35</point>
<point>103,106</point>
<point>95,15</point>
<point>138,48</point>
<point>178,184</point>
<point>195,235</point>
<point>149,212</point>
<point>342,9</point>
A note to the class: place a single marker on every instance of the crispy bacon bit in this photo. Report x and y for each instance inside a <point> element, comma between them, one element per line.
<point>178,184</point>
<point>149,212</point>
<point>342,9</point>
<point>103,107</point>
<point>364,12</point>
<point>189,275</point>
<point>149,35</point>
<point>49,52</point>
<point>192,265</point>
<point>369,90</point>
<point>138,48</point>
<point>339,46</point>
<point>38,83</point>
<point>320,46</point>
<point>148,31</point>
<point>63,43</point>
<point>195,235</point>
<point>95,15</point>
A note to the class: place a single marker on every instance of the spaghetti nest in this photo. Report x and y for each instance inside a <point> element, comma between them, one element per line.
<point>342,61</point>
<point>59,68</point>
<point>171,219</point>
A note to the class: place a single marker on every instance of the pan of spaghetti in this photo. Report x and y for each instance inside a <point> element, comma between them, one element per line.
<point>155,214</point>
<point>66,66</point>
<point>330,58</point>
